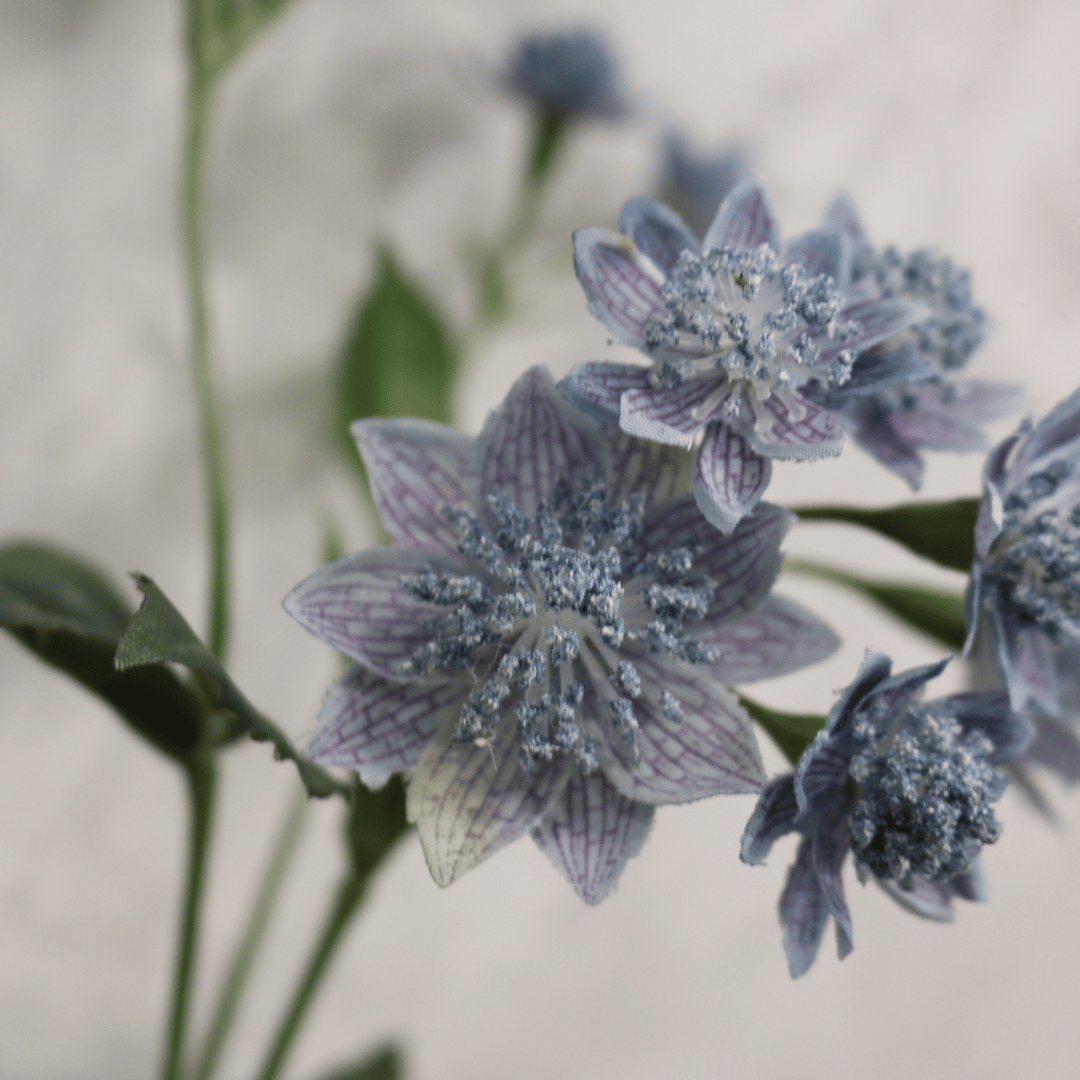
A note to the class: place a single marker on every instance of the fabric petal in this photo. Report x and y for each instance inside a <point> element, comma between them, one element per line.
<point>832,840</point>
<point>873,669</point>
<point>878,320</point>
<point>659,233</point>
<point>711,751</point>
<point>1059,427</point>
<point>872,429</point>
<point>1056,747</point>
<point>794,429</point>
<point>655,472</point>
<point>1026,656</point>
<point>822,768</point>
<point>842,216</point>
<point>379,727</point>
<point>415,468</point>
<point>971,885</point>
<point>533,440</point>
<point>804,912</point>
<point>591,832</point>
<point>623,287</point>
<point>927,899</point>
<point>773,817</point>
<point>988,711</point>
<point>729,477</point>
<point>745,219</point>
<point>468,801</point>
<point>822,251</point>
<point>358,605</point>
<point>922,422</point>
<point>778,637</point>
<point>873,371</point>
<point>980,401</point>
<point>668,414</point>
<point>597,387</point>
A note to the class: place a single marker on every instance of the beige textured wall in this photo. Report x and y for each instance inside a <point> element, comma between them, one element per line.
<point>952,123</point>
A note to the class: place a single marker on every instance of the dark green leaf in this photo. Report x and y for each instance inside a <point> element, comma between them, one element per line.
<point>549,131</point>
<point>397,359</point>
<point>219,30</point>
<point>376,822</point>
<point>159,633</point>
<point>68,614</point>
<point>943,532</point>
<point>792,732</point>
<point>385,1064</point>
<point>936,612</point>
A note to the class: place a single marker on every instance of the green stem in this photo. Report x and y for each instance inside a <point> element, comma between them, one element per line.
<point>350,892</point>
<point>211,419</point>
<point>200,772</point>
<point>240,969</point>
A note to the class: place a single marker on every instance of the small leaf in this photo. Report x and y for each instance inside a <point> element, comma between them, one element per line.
<point>792,732</point>
<point>69,615</point>
<point>936,612</point>
<point>397,359</point>
<point>376,822</point>
<point>385,1064</point>
<point>158,633</point>
<point>943,532</point>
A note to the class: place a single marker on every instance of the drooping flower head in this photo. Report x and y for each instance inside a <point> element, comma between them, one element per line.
<point>545,648</point>
<point>1026,576</point>
<point>697,183</point>
<point>939,409</point>
<point>906,787</point>
<point>742,330</point>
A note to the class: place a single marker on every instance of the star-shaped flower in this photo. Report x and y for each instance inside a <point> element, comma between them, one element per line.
<point>743,330</point>
<point>906,787</point>
<point>547,646</point>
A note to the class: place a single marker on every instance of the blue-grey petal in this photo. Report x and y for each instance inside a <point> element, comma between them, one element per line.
<point>791,428</point>
<point>873,669</point>
<point>773,817</point>
<point>745,219</point>
<point>989,711</point>
<point>655,472</point>
<point>832,841</point>
<point>971,885</point>
<point>658,231</point>
<point>804,912</point>
<point>927,899</point>
<point>873,371</point>
<point>729,477</point>
<point>841,215</point>
<point>871,428</point>
<point>1055,747</point>
<point>891,697</point>
<point>822,251</point>
<point>668,414</point>
<point>821,770</point>
<point>597,387</point>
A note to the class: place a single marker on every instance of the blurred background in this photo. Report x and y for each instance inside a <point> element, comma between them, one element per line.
<point>953,124</point>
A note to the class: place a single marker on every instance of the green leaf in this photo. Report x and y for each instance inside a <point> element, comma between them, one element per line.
<point>69,615</point>
<point>943,532</point>
<point>375,824</point>
<point>550,127</point>
<point>792,732</point>
<point>219,30</point>
<point>936,612</point>
<point>397,358</point>
<point>158,633</point>
<point>385,1064</point>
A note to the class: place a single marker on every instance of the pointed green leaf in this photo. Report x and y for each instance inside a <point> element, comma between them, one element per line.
<point>219,30</point>
<point>375,824</point>
<point>792,732</point>
<point>397,358</point>
<point>936,612</point>
<point>158,633</point>
<point>943,532</point>
<point>69,615</point>
<point>385,1064</point>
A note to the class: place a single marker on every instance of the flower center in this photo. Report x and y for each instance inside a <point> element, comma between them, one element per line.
<point>544,620</point>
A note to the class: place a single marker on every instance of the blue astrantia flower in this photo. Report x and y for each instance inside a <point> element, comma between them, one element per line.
<point>906,787</point>
<point>742,330</point>
<point>1026,576</point>
<point>567,71</point>
<point>545,648</point>
<point>896,420</point>
<point>697,183</point>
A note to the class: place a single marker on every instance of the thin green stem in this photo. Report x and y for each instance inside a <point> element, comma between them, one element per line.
<point>201,780</point>
<point>350,892</point>
<point>211,419</point>
<point>232,988</point>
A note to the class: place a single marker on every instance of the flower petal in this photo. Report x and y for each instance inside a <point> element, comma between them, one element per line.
<point>832,840</point>
<point>1055,747</point>
<point>980,401</point>
<point>773,817</point>
<point>415,468</point>
<point>923,423</point>
<point>927,899</point>
<point>841,215</point>
<point>379,727</point>
<point>971,885</point>
<point>659,233</point>
<point>772,431</point>
<point>667,414</point>
<point>822,768</point>
<point>1059,427</point>
<point>778,637</point>
<point>358,605</point>
<point>597,387</point>
<point>729,477</point>
<point>591,832</point>
<point>874,371</point>
<point>873,431</point>
<point>822,251</point>
<point>711,751</point>
<point>622,286</point>
<point>745,219</point>
<point>654,471</point>
<point>988,711</point>
<point>469,801</point>
<point>804,911</point>
<point>533,440</point>
<point>877,319</point>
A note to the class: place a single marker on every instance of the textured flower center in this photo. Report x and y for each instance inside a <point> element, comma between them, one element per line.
<point>542,622</point>
<point>925,795</point>
<point>1037,555</point>
<point>753,320</point>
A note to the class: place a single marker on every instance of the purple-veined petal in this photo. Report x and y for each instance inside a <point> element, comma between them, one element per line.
<point>468,801</point>
<point>1026,656</point>
<point>653,471</point>
<point>1055,747</point>
<point>804,912</point>
<point>872,429</point>
<point>359,606</point>
<point>832,840</point>
<point>772,430</point>
<point>729,477</point>
<point>659,233</point>
<point>597,387</point>
<point>874,668</point>
<point>822,768</point>
<point>778,637</point>
<point>711,751</point>
<point>927,899</point>
<point>379,727</point>
<point>745,219</point>
<point>842,216</point>
<point>893,695</point>
<point>822,251</point>
<point>533,440</point>
<point>591,832</point>
<point>922,423</point>
<point>989,711</point>
<point>669,414</point>
<point>980,401</point>
<point>874,371</point>
<point>773,817</point>
<point>622,286</point>
<point>1059,427</point>
<point>971,885</point>
<point>415,467</point>
<point>878,320</point>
